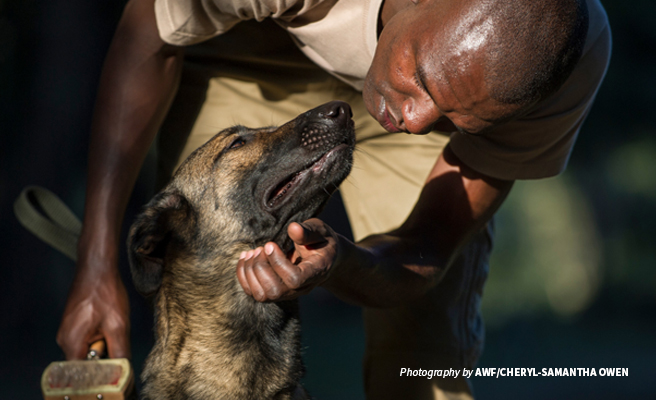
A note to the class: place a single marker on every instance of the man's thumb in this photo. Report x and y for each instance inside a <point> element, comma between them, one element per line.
<point>304,234</point>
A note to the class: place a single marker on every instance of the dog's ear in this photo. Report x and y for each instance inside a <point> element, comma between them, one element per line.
<point>166,218</point>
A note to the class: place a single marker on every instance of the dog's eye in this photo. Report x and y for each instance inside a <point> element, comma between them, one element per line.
<point>237,143</point>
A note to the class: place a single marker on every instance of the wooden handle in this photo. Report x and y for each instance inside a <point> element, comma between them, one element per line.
<point>96,350</point>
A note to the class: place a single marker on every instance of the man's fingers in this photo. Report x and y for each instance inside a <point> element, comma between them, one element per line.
<point>292,275</point>
<point>73,336</point>
<point>117,335</point>
<point>267,274</point>
<point>118,347</point>
<point>241,274</point>
<point>255,287</point>
<point>296,276</point>
<point>73,349</point>
<point>271,283</point>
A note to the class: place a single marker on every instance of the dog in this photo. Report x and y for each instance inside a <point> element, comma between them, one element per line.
<point>237,192</point>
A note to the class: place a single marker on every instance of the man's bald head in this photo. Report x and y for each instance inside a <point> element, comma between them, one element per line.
<point>532,47</point>
<point>546,42</point>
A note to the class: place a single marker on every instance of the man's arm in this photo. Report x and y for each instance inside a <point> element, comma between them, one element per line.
<point>455,203</point>
<point>137,84</point>
<point>383,270</point>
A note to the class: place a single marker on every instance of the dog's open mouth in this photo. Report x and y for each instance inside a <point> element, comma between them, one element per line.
<point>277,195</point>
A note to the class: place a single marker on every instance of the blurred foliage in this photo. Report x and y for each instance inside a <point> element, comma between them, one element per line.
<point>547,252</point>
<point>632,167</point>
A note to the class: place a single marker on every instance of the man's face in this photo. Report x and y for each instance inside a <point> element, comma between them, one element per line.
<point>428,74</point>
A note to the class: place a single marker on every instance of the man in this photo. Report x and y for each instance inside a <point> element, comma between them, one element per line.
<point>511,80</point>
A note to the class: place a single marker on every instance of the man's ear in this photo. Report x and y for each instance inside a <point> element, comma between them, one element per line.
<point>165,219</point>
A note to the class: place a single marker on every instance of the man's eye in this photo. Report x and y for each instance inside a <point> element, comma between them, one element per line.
<point>419,81</point>
<point>237,143</point>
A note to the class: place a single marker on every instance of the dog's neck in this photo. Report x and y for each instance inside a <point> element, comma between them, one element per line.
<point>216,342</point>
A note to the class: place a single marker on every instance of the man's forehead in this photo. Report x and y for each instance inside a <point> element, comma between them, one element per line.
<point>472,32</point>
<point>454,28</point>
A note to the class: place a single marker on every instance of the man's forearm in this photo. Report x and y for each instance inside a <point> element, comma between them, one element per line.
<point>391,269</point>
<point>138,82</point>
<point>383,271</point>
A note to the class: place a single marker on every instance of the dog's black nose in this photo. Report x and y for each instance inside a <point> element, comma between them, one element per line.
<point>326,126</point>
<point>338,110</point>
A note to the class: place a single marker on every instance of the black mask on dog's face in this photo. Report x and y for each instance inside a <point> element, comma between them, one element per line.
<point>245,186</point>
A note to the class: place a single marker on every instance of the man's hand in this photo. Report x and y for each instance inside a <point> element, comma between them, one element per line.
<point>267,274</point>
<point>97,308</point>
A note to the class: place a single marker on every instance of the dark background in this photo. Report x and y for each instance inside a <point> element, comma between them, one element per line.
<point>573,276</point>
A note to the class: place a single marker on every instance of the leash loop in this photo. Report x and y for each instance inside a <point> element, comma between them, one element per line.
<point>45,215</point>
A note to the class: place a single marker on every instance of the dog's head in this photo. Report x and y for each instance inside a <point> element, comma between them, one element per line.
<point>244,186</point>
